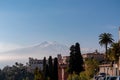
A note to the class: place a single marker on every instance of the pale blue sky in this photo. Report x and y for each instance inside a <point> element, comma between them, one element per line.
<point>26,22</point>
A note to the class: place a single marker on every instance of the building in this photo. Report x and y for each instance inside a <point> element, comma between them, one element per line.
<point>106,68</point>
<point>112,69</point>
<point>63,62</point>
<point>35,63</point>
<point>95,55</point>
<point>62,66</point>
<point>109,69</point>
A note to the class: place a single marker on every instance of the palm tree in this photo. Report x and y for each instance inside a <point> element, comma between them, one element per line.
<point>105,39</point>
<point>115,48</point>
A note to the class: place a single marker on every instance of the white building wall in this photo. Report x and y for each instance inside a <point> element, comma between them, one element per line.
<point>33,63</point>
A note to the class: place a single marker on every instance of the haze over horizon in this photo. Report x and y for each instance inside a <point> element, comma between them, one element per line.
<point>39,51</point>
<point>28,22</point>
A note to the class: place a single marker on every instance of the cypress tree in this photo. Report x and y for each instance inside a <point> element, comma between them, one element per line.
<point>47,72</point>
<point>44,68</point>
<point>55,69</point>
<point>71,60</point>
<point>50,67</point>
<point>76,60</point>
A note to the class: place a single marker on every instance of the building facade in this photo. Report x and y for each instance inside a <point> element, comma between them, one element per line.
<point>62,67</point>
<point>95,55</point>
<point>35,63</point>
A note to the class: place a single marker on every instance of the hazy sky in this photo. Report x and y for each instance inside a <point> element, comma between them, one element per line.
<point>26,22</point>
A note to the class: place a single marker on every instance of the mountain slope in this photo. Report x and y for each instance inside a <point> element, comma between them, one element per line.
<point>40,50</point>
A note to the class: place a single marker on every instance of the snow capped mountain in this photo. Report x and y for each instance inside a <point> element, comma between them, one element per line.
<point>39,51</point>
<point>44,49</point>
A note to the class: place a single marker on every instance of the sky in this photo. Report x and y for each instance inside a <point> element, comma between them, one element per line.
<point>27,22</point>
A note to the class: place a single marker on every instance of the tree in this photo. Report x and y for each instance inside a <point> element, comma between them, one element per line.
<point>105,39</point>
<point>71,60</point>
<point>55,69</point>
<point>14,72</point>
<point>91,67</point>
<point>84,76</point>
<point>44,68</point>
<point>38,74</point>
<point>76,60</point>
<point>73,77</point>
<point>47,73</point>
<point>114,52</point>
<point>50,67</point>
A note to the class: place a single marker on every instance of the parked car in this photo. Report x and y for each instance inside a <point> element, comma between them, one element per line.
<point>102,74</point>
<point>118,78</point>
<point>110,78</point>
